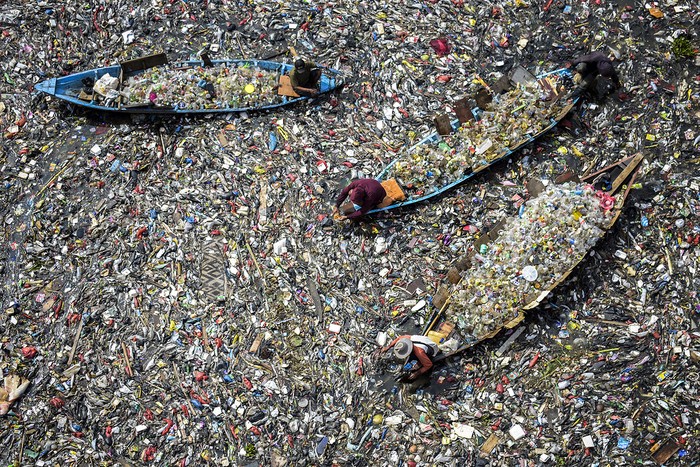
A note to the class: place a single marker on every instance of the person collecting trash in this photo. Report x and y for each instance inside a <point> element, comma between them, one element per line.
<point>421,347</point>
<point>588,67</point>
<point>304,77</point>
<point>365,194</point>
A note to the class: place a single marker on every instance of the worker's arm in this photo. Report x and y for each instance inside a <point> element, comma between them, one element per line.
<point>344,194</point>
<point>393,343</point>
<point>425,362</point>
<point>360,212</point>
<point>594,57</point>
<point>305,91</point>
<point>615,78</point>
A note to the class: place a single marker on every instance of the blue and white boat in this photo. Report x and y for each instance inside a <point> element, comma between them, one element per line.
<point>185,87</point>
<point>417,170</point>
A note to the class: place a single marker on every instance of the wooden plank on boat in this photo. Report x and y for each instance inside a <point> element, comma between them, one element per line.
<point>206,59</point>
<point>463,110</point>
<point>491,235</point>
<point>534,187</point>
<point>144,63</point>
<point>483,98</point>
<point>463,263</point>
<point>568,176</point>
<point>443,124</point>
<point>285,87</point>
<point>626,171</point>
<point>502,85</point>
<point>453,275</point>
<point>440,298</point>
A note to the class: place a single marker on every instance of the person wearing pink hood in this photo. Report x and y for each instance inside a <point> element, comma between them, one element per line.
<point>365,194</point>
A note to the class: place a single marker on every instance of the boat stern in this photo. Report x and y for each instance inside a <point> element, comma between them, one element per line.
<point>48,86</point>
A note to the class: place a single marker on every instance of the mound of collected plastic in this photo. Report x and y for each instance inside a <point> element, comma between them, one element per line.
<point>203,88</point>
<point>549,236</point>
<point>512,119</point>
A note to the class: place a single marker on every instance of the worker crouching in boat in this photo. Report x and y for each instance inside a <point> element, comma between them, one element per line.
<point>365,194</point>
<point>589,67</point>
<point>420,347</point>
<point>304,77</point>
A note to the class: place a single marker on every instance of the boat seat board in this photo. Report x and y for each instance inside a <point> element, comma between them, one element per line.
<point>443,124</point>
<point>285,88</point>
<point>144,63</point>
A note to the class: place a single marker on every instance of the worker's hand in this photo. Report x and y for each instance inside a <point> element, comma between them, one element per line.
<point>335,210</point>
<point>413,376</point>
<point>568,65</point>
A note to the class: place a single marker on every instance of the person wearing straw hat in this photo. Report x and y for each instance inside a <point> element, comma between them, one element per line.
<point>421,347</point>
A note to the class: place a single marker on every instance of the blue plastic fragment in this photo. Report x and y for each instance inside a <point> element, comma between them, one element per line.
<point>623,443</point>
<point>321,448</point>
<point>196,404</point>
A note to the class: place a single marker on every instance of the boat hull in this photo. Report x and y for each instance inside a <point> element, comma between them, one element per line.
<point>623,175</point>
<point>68,88</point>
<point>435,138</point>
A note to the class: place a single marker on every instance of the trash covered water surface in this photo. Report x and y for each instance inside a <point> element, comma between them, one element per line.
<point>175,290</point>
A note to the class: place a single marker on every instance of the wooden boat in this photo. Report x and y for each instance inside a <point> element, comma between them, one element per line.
<point>553,85</point>
<point>215,86</point>
<point>617,180</point>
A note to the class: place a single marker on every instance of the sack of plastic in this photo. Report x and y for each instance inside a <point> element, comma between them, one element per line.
<point>105,84</point>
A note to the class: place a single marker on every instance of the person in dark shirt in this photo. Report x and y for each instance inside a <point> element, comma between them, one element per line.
<point>365,194</point>
<point>588,67</point>
<point>304,77</point>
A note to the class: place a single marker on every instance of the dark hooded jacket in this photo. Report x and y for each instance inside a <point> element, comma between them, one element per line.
<point>597,63</point>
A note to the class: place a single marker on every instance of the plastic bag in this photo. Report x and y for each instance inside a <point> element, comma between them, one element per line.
<point>105,84</point>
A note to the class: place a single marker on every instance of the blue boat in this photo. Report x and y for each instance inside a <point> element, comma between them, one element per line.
<point>73,88</point>
<point>562,76</point>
